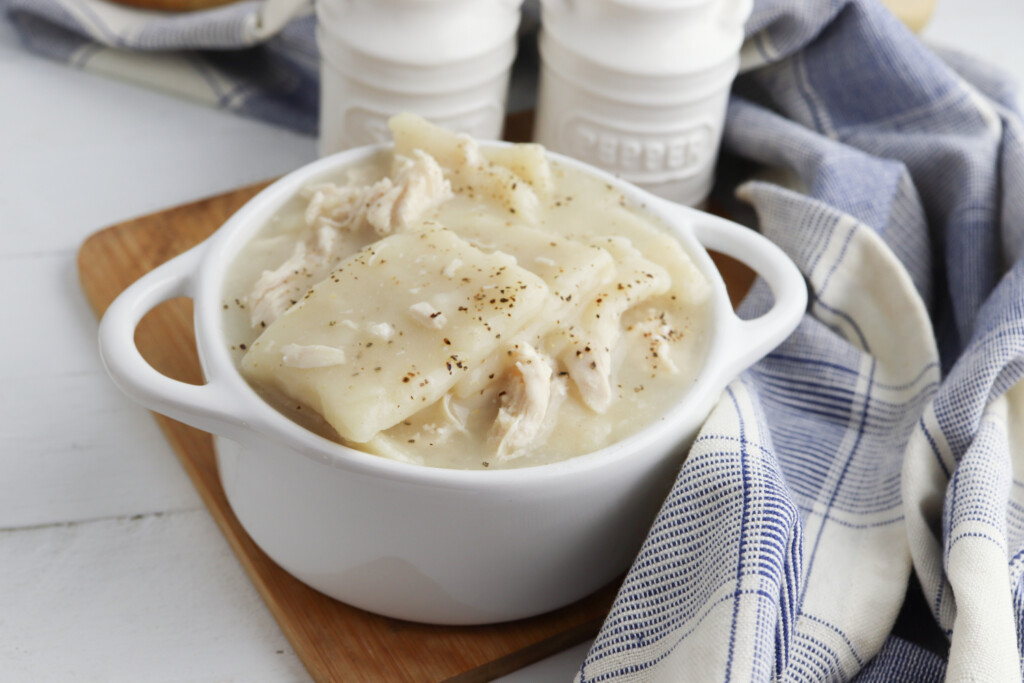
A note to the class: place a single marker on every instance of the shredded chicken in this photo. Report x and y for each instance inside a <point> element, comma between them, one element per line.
<point>589,362</point>
<point>588,358</point>
<point>455,413</point>
<point>452,268</point>
<point>382,331</point>
<point>311,356</point>
<point>427,315</point>
<point>343,206</point>
<point>418,185</point>
<point>501,184</point>
<point>524,403</point>
<point>385,206</point>
<point>276,290</point>
<point>657,334</point>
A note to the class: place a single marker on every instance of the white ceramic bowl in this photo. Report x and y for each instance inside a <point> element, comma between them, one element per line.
<point>427,544</point>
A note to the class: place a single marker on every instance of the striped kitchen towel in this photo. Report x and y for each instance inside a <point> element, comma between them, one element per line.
<point>854,506</point>
<point>257,58</point>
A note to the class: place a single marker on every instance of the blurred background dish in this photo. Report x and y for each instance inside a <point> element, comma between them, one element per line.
<point>174,5</point>
<point>914,13</point>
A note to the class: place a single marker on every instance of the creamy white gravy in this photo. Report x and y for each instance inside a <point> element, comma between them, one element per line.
<point>375,357</point>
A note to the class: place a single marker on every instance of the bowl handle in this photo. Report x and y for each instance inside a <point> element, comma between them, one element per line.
<point>753,339</point>
<point>203,406</point>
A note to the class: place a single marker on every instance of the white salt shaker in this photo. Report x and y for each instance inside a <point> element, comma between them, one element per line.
<point>640,87</point>
<point>446,60</point>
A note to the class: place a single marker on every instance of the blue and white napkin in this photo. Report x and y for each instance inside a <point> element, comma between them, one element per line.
<point>854,506</point>
<point>885,438</point>
<point>257,58</point>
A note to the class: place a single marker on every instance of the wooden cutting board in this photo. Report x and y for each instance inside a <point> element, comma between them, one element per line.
<point>334,641</point>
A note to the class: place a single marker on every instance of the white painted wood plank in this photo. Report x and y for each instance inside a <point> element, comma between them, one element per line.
<point>73,448</point>
<point>156,598</point>
<point>92,151</point>
<point>558,667</point>
<point>55,331</point>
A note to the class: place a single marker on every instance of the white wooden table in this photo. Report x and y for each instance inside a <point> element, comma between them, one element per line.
<point>110,567</point>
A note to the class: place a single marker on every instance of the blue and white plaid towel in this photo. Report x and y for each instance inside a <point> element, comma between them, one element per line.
<point>854,506</point>
<point>885,438</point>
<point>255,57</point>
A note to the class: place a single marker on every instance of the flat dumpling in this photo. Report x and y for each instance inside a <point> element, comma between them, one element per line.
<point>515,188</point>
<point>572,270</point>
<point>591,344</point>
<point>393,329</point>
<point>493,308</point>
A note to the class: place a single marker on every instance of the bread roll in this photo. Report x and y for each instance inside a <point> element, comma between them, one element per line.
<point>174,5</point>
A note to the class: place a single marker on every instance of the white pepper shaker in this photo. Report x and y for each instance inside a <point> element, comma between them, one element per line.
<point>640,87</point>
